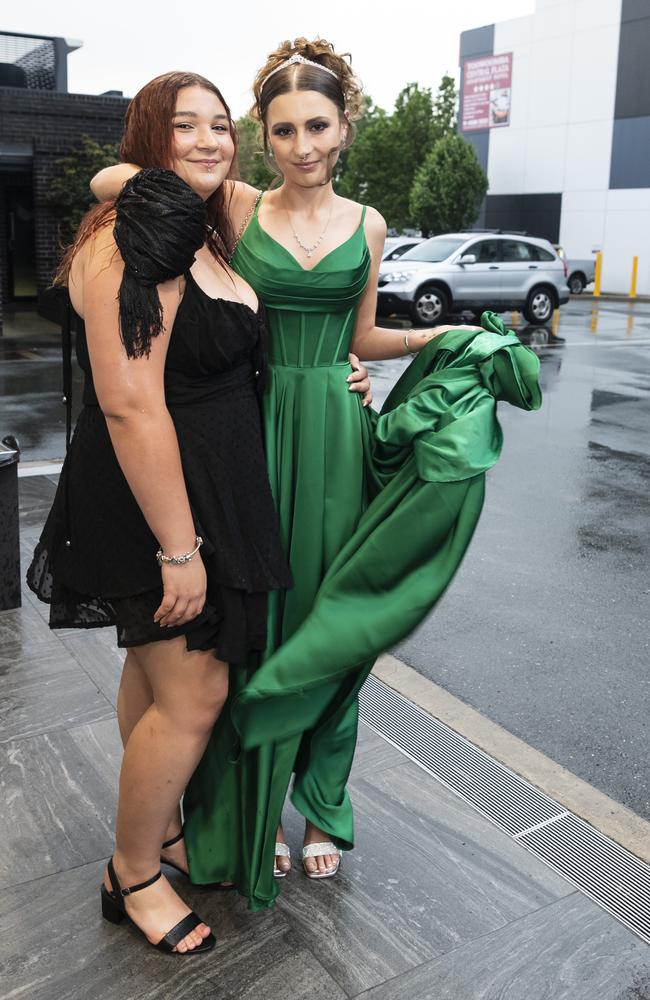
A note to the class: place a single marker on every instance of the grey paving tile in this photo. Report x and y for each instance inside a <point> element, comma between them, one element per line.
<point>22,625</point>
<point>35,493</point>
<point>374,753</point>
<point>97,653</point>
<point>57,947</point>
<point>427,874</point>
<point>569,950</point>
<point>58,794</point>
<point>46,690</point>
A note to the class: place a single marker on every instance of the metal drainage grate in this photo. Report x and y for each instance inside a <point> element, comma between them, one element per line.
<point>603,870</point>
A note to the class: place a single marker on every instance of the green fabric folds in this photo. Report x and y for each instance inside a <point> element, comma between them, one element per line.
<point>428,450</point>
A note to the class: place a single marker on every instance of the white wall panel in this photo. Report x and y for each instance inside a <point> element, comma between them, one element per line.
<point>630,200</point>
<point>624,237</point>
<point>550,81</point>
<point>508,35</point>
<point>594,67</point>
<point>597,13</point>
<point>544,159</point>
<point>588,156</point>
<point>506,160</point>
<point>552,20</point>
<point>582,232</point>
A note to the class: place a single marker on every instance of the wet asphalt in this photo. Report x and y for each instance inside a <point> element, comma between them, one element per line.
<point>546,627</point>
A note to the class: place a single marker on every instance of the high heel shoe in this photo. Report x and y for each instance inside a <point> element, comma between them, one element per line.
<point>281,851</point>
<point>170,843</point>
<point>317,851</point>
<point>217,886</point>
<point>114,910</point>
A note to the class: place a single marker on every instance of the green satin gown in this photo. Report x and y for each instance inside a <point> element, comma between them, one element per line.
<point>316,435</point>
<point>376,514</point>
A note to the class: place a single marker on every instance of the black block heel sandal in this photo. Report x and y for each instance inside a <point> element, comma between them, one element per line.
<point>114,910</point>
<point>170,843</point>
<point>216,886</point>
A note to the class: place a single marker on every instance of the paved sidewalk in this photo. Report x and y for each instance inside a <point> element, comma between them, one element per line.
<point>435,903</point>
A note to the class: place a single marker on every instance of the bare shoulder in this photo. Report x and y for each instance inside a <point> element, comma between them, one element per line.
<point>375,224</point>
<point>240,193</point>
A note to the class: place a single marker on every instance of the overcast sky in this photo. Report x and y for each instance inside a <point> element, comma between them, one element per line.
<point>127,42</point>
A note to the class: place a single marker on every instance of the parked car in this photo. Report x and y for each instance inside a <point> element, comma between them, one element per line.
<point>473,271</point>
<point>580,272</point>
<point>396,246</point>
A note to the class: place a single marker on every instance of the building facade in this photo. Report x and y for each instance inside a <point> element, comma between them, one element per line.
<point>562,128</point>
<point>40,122</point>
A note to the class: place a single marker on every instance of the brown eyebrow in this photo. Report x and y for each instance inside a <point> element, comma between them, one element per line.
<point>193,114</point>
<point>310,121</point>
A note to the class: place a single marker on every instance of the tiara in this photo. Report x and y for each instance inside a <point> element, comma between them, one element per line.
<point>297,58</point>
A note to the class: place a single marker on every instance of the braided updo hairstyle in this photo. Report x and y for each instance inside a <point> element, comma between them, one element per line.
<point>344,89</point>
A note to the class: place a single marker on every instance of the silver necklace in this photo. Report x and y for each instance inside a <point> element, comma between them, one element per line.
<point>310,250</point>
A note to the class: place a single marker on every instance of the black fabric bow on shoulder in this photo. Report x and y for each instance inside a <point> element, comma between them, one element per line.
<point>160,223</point>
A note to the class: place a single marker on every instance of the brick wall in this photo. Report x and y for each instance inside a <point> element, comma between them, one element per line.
<point>53,122</point>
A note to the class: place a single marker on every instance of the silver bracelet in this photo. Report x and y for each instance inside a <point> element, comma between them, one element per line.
<point>408,346</point>
<point>178,560</point>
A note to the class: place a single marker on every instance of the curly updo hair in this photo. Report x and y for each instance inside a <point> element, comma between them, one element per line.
<point>344,88</point>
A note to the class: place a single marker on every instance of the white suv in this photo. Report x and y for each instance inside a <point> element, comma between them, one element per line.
<point>474,271</point>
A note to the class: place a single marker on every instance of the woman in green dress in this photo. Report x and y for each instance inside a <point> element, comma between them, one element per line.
<point>313,258</point>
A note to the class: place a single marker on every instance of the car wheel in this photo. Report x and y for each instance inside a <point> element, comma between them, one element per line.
<point>430,307</point>
<point>539,305</point>
<point>576,284</point>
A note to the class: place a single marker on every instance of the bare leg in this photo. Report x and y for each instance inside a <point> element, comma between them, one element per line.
<point>162,751</point>
<point>134,697</point>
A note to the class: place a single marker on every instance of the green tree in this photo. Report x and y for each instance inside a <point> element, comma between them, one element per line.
<point>448,188</point>
<point>444,108</point>
<point>69,196</point>
<point>383,162</point>
<point>250,154</point>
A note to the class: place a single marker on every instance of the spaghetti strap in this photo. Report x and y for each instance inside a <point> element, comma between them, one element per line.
<point>363,215</point>
<point>250,214</point>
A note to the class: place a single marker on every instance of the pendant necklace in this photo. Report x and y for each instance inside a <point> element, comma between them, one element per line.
<point>310,250</point>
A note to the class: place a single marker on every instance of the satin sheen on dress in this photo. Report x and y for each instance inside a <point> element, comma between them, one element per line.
<point>375,515</point>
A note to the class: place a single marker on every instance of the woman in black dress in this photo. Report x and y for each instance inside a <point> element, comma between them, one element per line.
<point>163,523</point>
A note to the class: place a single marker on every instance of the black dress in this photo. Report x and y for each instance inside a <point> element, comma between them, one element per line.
<point>95,561</point>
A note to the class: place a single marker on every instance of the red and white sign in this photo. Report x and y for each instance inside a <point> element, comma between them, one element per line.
<point>487,85</point>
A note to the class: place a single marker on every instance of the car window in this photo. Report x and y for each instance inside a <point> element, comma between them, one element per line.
<point>514,251</point>
<point>486,251</point>
<point>542,254</point>
<point>434,250</point>
<point>397,252</point>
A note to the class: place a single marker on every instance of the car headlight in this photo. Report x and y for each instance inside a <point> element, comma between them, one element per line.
<point>398,276</point>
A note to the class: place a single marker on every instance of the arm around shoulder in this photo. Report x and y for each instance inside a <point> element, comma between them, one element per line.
<point>108,183</point>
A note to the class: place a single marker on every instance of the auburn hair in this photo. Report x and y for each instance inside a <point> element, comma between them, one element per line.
<point>148,142</point>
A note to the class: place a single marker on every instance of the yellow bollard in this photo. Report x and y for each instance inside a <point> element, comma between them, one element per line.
<point>635,268</point>
<point>555,322</point>
<point>599,268</point>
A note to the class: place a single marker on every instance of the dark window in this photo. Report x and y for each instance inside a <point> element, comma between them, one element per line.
<point>487,251</point>
<point>539,253</point>
<point>514,251</point>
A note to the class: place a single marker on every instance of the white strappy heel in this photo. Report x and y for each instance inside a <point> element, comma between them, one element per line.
<point>317,851</point>
<point>281,851</point>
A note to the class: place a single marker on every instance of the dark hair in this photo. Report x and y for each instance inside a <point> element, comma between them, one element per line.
<point>343,88</point>
<point>148,142</point>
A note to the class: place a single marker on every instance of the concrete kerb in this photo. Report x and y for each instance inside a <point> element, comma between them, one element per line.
<point>611,818</point>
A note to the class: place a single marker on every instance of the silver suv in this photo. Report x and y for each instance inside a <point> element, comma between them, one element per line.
<point>474,271</point>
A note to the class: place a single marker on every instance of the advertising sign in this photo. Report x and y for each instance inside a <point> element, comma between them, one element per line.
<point>487,84</point>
